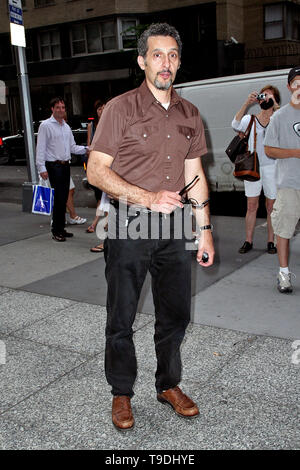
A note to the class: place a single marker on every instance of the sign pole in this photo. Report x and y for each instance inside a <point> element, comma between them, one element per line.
<point>26,113</point>
<point>17,32</point>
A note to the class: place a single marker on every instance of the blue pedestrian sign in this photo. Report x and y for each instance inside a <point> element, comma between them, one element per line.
<point>15,12</point>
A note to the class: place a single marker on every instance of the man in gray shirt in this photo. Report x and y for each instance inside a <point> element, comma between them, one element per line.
<point>282,142</point>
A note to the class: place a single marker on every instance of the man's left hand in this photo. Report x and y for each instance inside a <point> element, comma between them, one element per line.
<point>206,245</point>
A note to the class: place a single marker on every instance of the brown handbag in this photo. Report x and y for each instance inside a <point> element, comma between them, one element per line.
<point>246,165</point>
<point>239,145</point>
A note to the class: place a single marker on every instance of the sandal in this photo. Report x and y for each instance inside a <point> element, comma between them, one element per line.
<point>76,220</point>
<point>97,248</point>
<point>271,248</point>
<point>90,229</point>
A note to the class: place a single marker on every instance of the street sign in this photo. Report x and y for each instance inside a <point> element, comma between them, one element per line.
<point>17,31</point>
<point>15,12</point>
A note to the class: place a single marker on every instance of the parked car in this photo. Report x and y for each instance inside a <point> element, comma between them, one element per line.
<point>12,147</point>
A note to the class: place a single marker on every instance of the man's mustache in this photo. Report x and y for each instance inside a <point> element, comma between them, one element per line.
<point>165,71</point>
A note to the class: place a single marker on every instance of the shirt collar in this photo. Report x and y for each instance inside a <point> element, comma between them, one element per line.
<point>148,98</point>
<point>52,119</point>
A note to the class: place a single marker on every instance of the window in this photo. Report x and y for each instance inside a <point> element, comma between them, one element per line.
<point>49,45</point>
<point>293,22</point>
<point>93,37</point>
<point>274,21</point>
<point>127,33</point>
<point>282,21</point>
<point>43,3</point>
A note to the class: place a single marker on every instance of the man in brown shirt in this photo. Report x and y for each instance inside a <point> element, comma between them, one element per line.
<point>147,147</point>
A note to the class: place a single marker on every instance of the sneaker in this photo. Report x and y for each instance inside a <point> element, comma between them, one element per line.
<point>284,284</point>
<point>77,220</point>
<point>246,247</point>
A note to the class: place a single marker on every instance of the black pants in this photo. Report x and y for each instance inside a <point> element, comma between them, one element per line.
<point>59,177</point>
<point>127,263</point>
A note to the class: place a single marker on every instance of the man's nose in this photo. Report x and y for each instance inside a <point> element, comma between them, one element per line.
<point>166,61</point>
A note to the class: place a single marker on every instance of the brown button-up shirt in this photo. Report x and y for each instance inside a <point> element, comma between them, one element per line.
<point>149,144</point>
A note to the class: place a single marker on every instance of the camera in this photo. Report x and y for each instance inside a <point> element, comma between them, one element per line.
<point>261,96</point>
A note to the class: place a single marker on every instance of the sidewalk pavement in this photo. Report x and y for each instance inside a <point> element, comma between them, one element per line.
<point>239,364</point>
<point>13,177</point>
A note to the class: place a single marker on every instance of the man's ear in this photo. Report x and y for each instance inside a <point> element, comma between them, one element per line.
<point>141,62</point>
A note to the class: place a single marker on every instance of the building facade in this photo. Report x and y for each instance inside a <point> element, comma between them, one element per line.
<point>84,50</point>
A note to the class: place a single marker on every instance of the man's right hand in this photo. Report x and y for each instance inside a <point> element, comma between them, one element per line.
<point>44,175</point>
<point>165,201</point>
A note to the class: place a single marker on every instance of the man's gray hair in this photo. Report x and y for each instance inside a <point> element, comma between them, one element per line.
<point>158,29</point>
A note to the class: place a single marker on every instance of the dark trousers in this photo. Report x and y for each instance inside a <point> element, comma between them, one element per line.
<point>59,177</point>
<point>127,263</point>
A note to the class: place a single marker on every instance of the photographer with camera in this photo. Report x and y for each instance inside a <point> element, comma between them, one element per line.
<point>268,99</point>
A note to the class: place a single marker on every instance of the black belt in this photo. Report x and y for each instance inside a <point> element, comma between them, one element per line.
<point>117,205</point>
<point>138,209</point>
<point>59,162</point>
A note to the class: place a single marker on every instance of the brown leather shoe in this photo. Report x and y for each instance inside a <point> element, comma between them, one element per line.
<point>122,416</point>
<point>180,402</point>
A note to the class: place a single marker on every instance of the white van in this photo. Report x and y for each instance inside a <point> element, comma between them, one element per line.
<point>218,100</point>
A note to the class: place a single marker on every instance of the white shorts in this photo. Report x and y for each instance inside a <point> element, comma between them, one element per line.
<point>72,185</point>
<point>267,182</point>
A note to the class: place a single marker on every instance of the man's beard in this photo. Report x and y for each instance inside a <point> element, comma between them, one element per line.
<point>163,86</point>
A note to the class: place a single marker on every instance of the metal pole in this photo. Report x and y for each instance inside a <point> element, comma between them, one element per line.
<point>26,113</point>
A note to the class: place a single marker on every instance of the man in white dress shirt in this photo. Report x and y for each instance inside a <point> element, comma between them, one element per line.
<point>55,143</point>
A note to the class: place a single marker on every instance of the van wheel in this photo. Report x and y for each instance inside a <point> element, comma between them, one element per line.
<point>12,159</point>
<point>4,159</point>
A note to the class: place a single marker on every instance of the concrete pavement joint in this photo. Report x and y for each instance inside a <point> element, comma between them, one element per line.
<point>34,322</point>
<point>44,387</point>
<point>52,346</point>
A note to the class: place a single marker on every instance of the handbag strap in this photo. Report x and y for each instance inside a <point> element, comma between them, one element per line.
<point>247,131</point>
<point>254,135</point>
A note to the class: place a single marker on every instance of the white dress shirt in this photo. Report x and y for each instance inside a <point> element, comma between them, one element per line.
<point>55,141</point>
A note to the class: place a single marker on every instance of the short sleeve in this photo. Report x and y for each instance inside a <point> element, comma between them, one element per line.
<point>198,146</point>
<point>110,130</point>
<point>241,126</point>
<point>272,134</point>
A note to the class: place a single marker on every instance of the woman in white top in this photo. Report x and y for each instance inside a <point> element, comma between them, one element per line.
<point>269,103</point>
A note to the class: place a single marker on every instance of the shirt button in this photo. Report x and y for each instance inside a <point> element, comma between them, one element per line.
<point>144,135</point>
<point>167,115</point>
<point>169,157</point>
<point>168,177</point>
<point>168,136</point>
<point>188,136</point>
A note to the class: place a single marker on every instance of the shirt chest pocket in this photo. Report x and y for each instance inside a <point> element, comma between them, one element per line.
<point>144,135</point>
<point>185,136</point>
